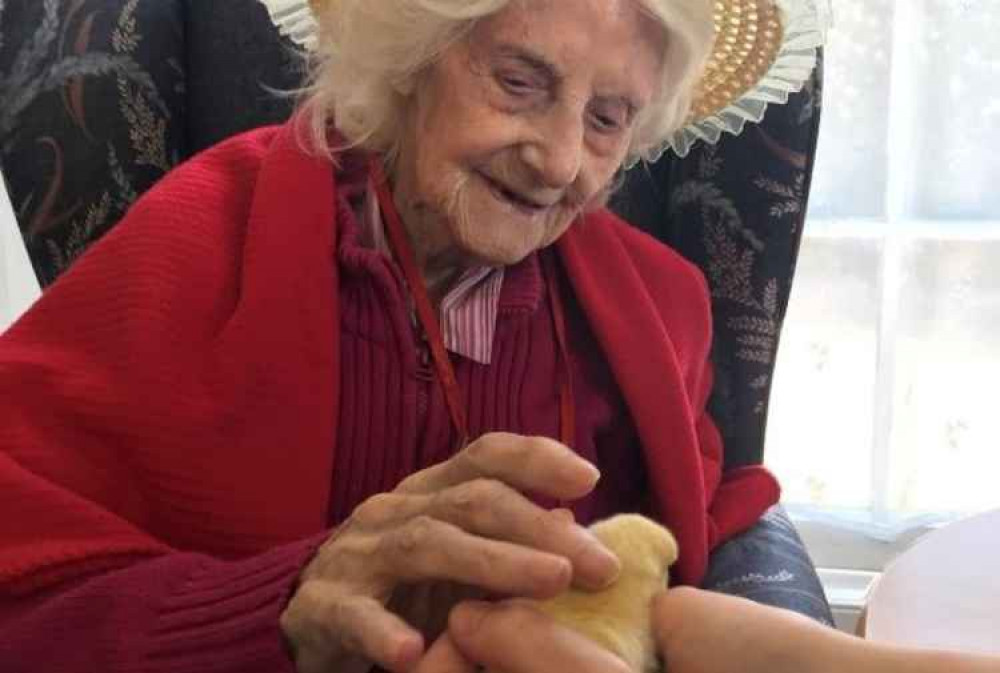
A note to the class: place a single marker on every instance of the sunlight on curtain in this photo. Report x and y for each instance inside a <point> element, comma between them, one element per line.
<point>885,411</point>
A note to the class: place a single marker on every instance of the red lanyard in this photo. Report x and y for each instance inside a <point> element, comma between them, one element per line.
<point>428,321</point>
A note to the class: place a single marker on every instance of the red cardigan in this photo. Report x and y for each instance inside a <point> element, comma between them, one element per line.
<point>168,401</point>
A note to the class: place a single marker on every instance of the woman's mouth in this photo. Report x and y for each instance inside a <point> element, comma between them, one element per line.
<point>511,197</point>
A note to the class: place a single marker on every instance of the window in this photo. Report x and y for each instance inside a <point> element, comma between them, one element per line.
<point>885,415</point>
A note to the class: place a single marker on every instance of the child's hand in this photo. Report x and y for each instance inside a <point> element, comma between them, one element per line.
<point>704,632</point>
<point>514,637</point>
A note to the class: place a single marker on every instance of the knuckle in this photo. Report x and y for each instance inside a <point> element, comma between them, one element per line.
<point>490,453</point>
<point>414,535</point>
<point>456,503</point>
<point>347,624</point>
<point>484,494</point>
<point>478,453</point>
<point>317,624</point>
<point>309,598</point>
<point>486,561</point>
<point>478,503</point>
<point>377,509</point>
<point>345,553</point>
<point>552,531</point>
<point>546,525</point>
<point>411,482</point>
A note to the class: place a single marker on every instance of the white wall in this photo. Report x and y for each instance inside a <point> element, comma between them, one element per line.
<point>18,285</point>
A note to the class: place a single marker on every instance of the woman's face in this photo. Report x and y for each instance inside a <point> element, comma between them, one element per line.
<point>517,129</point>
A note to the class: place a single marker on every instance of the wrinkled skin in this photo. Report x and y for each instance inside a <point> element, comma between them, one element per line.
<point>383,583</point>
<point>520,128</point>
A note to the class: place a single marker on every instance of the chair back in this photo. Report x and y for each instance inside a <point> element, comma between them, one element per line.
<point>737,211</point>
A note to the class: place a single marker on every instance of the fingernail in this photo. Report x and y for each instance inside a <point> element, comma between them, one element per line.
<point>467,617</point>
<point>557,572</point>
<point>600,566</point>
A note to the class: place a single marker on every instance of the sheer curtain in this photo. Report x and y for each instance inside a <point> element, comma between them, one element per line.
<point>885,416</point>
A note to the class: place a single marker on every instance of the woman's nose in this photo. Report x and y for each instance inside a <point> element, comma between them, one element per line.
<point>556,155</point>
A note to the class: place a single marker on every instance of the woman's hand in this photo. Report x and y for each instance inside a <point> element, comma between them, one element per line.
<point>464,521</point>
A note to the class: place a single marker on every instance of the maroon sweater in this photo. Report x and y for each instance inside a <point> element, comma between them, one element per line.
<point>393,417</point>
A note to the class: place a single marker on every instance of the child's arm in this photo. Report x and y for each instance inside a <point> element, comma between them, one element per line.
<point>704,632</point>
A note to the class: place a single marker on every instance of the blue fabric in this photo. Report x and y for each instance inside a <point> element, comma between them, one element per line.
<point>769,564</point>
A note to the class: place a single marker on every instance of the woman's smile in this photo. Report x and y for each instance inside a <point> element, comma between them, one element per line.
<point>514,199</point>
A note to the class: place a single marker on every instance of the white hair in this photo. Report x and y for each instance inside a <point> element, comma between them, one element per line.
<point>372,52</point>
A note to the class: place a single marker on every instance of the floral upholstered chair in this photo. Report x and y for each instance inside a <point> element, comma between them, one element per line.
<point>737,210</point>
<point>100,98</point>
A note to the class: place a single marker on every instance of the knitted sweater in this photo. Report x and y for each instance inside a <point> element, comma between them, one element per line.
<point>393,418</point>
<point>167,433</point>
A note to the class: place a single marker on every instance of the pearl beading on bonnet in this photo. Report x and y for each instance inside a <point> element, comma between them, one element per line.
<point>764,51</point>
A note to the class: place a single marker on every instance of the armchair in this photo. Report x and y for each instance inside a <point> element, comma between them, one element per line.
<point>737,210</point>
<point>100,98</point>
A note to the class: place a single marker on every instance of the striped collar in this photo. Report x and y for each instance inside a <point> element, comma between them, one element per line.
<point>468,312</point>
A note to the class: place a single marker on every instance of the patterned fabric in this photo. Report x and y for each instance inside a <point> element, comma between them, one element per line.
<point>242,63</point>
<point>91,115</point>
<point>769,564</point>
<point>737,210</point>
<point>469,313</point>
<point>99,98</point>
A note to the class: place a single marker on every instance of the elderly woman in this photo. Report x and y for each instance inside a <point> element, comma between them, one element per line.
<point>325,378</point>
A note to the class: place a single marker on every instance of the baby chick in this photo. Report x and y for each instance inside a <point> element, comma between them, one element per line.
<point>618,617</point>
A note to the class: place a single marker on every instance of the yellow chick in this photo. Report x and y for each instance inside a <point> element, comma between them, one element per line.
<point>618,618</point>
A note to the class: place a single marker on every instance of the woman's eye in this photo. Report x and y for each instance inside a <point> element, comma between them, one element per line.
<point>606,122</point>
<point>516,85</point>
<point>609,122</point>
<point>611,116</point>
